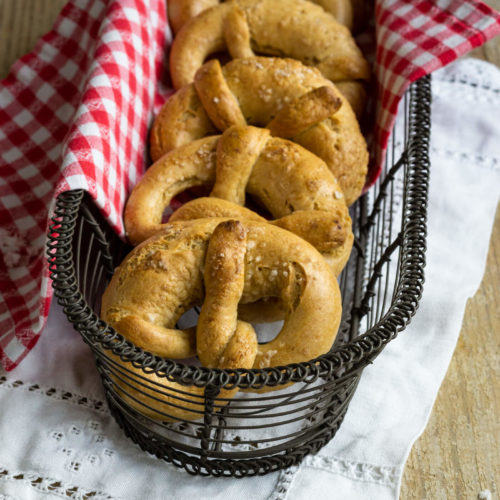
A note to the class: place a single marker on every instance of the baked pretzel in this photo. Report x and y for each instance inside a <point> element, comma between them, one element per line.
<point>220,263</point>
<point>295,186</point>
<point>181,11</point>
<point>290,28</point>
<point>292,100</point>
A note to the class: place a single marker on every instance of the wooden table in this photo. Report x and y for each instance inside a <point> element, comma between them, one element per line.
<point>459,453</point>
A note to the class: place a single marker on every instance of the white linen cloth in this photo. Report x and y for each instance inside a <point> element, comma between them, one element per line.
<point>57,438</point>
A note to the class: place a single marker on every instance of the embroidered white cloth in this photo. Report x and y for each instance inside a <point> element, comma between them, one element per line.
<point>57,438</point>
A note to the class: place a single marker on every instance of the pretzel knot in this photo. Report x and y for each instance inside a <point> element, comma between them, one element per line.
<point>222,341</point>
<point>291,28</point>
<point>294,185</point>
<point>220,263</point>
<point>291,100</point>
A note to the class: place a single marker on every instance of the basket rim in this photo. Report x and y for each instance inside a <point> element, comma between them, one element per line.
<point>343,360</point>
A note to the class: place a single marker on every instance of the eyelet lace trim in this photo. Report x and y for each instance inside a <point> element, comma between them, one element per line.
<point>54,393</point>
<point>478,76</point>
<point>482,160</point>
<point>352,470</point>
<point>283,484</point>
<point>50,485</point>
<point>359,471</point>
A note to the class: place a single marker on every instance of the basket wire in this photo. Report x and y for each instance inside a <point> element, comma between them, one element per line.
<point>255,433</point>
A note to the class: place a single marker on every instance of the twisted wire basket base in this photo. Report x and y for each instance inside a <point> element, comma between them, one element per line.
<point>257,431</point>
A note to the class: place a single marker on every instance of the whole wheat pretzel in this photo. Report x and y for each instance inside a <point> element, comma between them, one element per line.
<point>292,100</point>
<point>295,186</point>
<point>289,28</point>
<point>220,263</point>
<point>181,11</point>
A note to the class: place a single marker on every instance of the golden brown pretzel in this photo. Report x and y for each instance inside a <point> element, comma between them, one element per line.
<point>268,91</point>
<point>181,11</point>
<point>289,28</point>
<point>295,186</point>
<point>220,263</point>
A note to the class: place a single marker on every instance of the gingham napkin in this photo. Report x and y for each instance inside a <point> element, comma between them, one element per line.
<point>74,114</point>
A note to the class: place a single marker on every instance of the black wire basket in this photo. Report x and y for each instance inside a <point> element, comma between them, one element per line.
<point>262,431</point>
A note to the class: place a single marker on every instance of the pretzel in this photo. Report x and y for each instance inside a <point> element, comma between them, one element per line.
<point>273,92</point>
<point>294,185</point>
<point>220,263</point>
<point>181,11</point>
<point>290,28</point>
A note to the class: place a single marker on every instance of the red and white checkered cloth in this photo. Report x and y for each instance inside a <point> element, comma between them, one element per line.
<point>74,114</point>
<point>415,38</point>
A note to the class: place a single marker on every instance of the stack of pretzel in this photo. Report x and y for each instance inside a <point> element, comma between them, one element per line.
<point>276,133</point>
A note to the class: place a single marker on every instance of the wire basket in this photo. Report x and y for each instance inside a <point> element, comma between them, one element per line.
<point>255,433</point>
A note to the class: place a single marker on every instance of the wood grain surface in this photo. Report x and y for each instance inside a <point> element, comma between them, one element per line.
<point>458,455</point>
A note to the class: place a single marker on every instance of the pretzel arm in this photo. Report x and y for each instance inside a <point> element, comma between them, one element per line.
<point>207,34</point>
<point>220,338</point>
<point>209,39</point>
<point>237,34</point>
<point>306,111</point>
<point>219,102</point>
<point>182,168</point>
<point>237,151</point>
<point>168,342</point>
<point>324,230</point>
